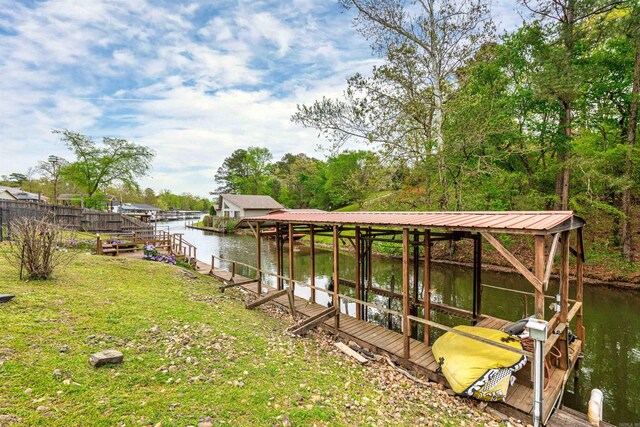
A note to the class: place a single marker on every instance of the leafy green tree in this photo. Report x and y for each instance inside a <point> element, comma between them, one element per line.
<point>352,176</point>
<point>97,166</point>
<point>245,172</point>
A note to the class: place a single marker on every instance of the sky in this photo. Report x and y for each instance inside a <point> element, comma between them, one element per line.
<point>193,80</point>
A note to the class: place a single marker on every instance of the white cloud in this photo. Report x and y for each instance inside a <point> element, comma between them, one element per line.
<point>193,80</point>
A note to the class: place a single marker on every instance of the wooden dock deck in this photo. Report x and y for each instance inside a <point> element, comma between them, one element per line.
<point>380,340</point>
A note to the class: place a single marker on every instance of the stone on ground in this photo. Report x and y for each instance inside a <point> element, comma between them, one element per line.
<point>106,357</point>
<point>6,297</point>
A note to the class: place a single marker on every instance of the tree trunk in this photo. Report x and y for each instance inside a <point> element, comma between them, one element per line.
<point>562,179</point>
<point>438,137</point>
<point>625,229</point>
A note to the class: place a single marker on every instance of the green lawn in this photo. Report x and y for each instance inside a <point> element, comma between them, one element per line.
<point>190,352</point>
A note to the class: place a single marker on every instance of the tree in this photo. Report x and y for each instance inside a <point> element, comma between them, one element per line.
<point>245,171</point>
<point>443,34</point>
<point>232,172</point>
<point>560,77</point>
<point>52,169</point>
<point>117,160</point>
<point>402,106</point>
<point>15,178</point>
<point>352,176</point>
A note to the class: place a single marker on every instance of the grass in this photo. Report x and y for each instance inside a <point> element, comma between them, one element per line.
<point>190,352</point>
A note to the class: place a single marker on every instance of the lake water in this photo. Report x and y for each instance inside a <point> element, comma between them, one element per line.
<point>611,316</point>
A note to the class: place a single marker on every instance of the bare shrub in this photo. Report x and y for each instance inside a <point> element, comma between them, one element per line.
<point>36,247</point>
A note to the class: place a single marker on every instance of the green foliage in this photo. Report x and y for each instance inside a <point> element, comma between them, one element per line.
<point>116,160</point>
<point>245,172</point>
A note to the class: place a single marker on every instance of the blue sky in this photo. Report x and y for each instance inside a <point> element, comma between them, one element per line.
<point>194,80</point>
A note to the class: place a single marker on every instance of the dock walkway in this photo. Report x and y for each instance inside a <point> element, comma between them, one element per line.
<point>381,340</point>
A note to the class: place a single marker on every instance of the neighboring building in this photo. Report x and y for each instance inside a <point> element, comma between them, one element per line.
<point>6,195</point>
<point>243,206</point>
<point>21,195</point>
<point>135,209</point>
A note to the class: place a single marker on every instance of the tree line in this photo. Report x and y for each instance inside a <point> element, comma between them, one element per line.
<point>110,167</point>
<point>300,181</point>
<point>459,118</point>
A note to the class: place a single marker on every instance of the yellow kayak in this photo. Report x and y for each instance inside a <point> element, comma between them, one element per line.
<point>477,369</point>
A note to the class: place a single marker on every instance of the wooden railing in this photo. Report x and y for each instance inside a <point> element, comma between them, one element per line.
<point>409,318</point>
<point>134,241</point>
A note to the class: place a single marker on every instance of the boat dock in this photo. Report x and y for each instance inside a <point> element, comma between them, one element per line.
<point>383,341</point>
<point>409,348</point>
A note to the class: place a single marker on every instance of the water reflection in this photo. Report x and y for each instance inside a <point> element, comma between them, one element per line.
<point>612,359</point>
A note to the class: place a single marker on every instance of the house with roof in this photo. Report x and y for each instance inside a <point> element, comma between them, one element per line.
<point>14,193</point>
<point>245,205</point>
<point>7,195</point>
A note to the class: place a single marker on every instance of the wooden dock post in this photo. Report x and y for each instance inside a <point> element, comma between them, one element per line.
<point>358,278</point>
<point>580,332</point>
<point>233,270</point>
<point>406,323</point>
<point>426,297</point>
<point>313,262</point>
<point>292,284</point>
<point>564,300</point>
<point>477,277</point>
<point>336,275</point>
<point>278,256</point>
<point>213,259</point>
<point>258,259</point>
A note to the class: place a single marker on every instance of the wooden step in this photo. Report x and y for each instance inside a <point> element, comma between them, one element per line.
<point>313,321</point>
<point>268,297</point>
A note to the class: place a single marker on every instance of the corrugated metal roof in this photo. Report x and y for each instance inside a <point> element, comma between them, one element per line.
<point>536,222</point>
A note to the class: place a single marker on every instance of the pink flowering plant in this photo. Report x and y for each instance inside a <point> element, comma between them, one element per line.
<point>152,254</point>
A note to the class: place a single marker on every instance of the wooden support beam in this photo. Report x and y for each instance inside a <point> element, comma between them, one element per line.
<point>406,323</point>
<point>536,282</point>
<point>251,227</point>
<point>358,278</point>
<point>292,302</point>
<point>312,242</point>
<point>426,285</point>
<point>580,331</point>
<point>564,300</point>
<point>539,269</point>
<point>278,256</point>
<point>550,260</point>
<point>233,285</point>
<point>336,275</point>
<point>292,285</point>
<point>269,296</point>
<point>350,352</point>
<point>258,258</point>
<point>477,278</point>
<point>313,321</point>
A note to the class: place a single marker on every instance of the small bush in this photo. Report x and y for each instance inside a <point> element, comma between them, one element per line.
<point>38,247</point>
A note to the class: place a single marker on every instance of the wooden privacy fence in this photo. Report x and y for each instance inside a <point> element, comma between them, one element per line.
<point>69,217</point>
